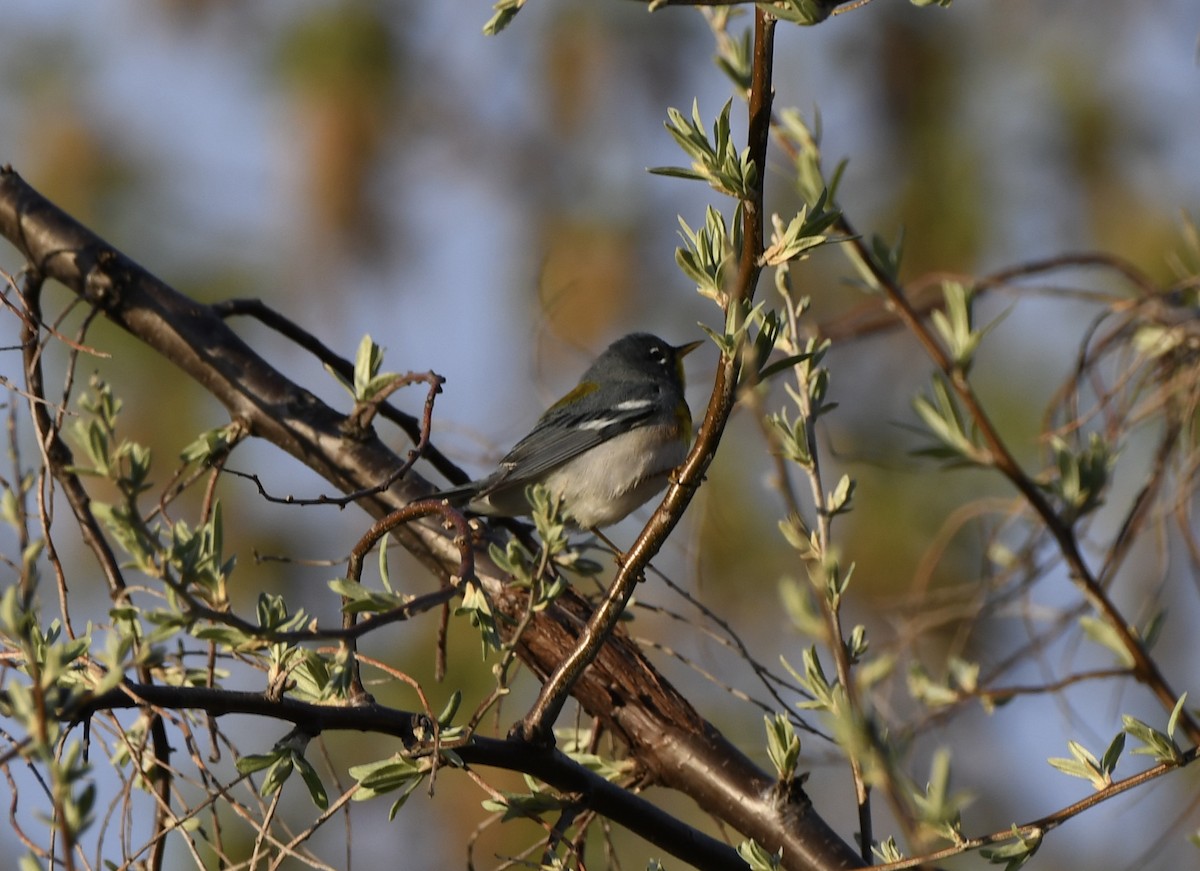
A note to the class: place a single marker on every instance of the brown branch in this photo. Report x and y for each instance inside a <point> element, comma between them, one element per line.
<point>1000,458</point>
<point>536,724</point>
<point>1039,827</point>
<point>416,429</point>
<point>57,457</point>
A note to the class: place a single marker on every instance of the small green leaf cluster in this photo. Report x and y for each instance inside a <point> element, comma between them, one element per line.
<point>361,599</point>
<point>477,607</point>
<point>1106,635</point>
<point>527,572</point>
<point>125,463</point>
<point>1161,746</point>
<point>954,324</point>
<point>962,679</point>
<point>1082,475</point>
<point>1016,852</point>
<point>1085,765</point>
<point>887,851</point>
<point>358,598</point>
<point>802,141</point>
<point>537,804</point>
<point>803,233</point>
<point>504,11</point>
<point>287,756</point>
<point>875,263</point>
<point>211,444</point>
<point>957,442</point>
<point>803,12</point>
<point>709,255</point>
<point>389,775</point>
<point>783,745</point>
<point>368,381</point>
<point>794,432</point>
<point>191,561</point>
<point>757,858</point>
<point>577,743</point>
<point>825,696</point>
<point>50,662</point>
<point>715,159</point>
<point>531,805</point>
<point>53,665</point>
<point>795,428</point>
<point>734,53</point>
<point>937,808</point>
<point>542,572</point>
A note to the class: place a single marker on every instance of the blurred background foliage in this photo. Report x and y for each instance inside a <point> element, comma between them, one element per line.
<point>480,207</point>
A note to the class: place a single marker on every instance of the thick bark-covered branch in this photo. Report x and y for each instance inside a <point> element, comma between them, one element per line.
<point>674,744</point>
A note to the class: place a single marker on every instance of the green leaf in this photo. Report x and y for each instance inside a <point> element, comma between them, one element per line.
<point>734,57</point>
<point>367,361</point>
<point>1086,766</point>
<point>257,761</point>
<point>954,323</point>
<point>1016,853</point>
<point>714,160</point>
<point>802,12</point>
<point>783,745</point>
<point>1112,753</point>
<point>384,575</point>
<point>888,851</point>
<point>944,421</point>
<point>708,255</point>
<point>211,444</point>
<point>505,12</point>
<point>1176,713</point>
<point>781,364</point>
<point>814,682</point>
<point>793,440</point>
<point>278,775</point>
<point>450,709</point>
<point>938,808</point>
<point>362,599</point>
<point>1102,633</point>
<point>1083,475</point>
<point>478,609</point>
<point>838,502</point>
<point>385,775</point>
<point>803,233</point>
<point>517,806</point>
<point>316,790</point>
<point>757,858</point>
<point>611,770</point>
<point>1156,744</point>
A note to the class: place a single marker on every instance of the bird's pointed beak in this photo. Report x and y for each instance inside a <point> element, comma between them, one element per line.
<point>683,350</point>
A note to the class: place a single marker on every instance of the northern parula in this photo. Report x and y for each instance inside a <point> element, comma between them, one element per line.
<point>606,447</point>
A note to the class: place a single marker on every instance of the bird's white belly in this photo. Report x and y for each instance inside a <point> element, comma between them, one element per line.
<point>590,485</point>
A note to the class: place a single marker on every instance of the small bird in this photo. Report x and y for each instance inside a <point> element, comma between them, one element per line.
<point>606,447</point>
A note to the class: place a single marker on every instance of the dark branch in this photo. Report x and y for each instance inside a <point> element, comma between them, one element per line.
<point>550,766</point>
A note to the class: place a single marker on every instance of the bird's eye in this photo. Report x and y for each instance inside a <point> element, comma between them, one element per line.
<point>658,355</point>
